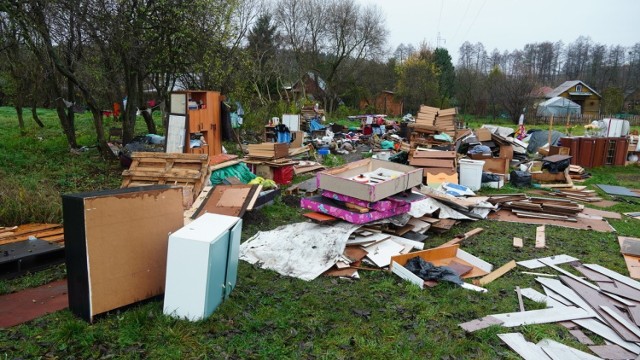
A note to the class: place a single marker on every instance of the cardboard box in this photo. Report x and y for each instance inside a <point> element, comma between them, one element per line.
<point>339,180</point>
<point>440,256</point>
<point>496,165</point>
<point>483,134</point>
<point>437,176</point>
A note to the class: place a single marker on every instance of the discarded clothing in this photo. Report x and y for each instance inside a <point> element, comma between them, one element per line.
<point>427,271</point>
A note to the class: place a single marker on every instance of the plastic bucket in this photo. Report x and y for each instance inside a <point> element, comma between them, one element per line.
<point>471,173</point>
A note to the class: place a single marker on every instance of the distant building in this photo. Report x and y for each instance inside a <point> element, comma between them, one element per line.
<point>581,94</point>
<point>384,103</point>
<point>632,100</point>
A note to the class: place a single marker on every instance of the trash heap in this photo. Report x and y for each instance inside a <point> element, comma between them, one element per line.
<point>601,301</point>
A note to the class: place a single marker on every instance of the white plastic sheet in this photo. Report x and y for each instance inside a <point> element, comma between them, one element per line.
<point>302,250</point>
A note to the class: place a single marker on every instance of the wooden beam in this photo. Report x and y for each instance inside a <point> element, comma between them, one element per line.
<point>497,273</point>
<point>540,237</point>
<point>518,242</point>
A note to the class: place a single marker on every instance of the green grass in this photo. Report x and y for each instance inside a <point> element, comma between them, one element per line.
<point>269,316</point>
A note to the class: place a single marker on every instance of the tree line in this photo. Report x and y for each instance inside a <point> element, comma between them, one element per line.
<point>69,53</point>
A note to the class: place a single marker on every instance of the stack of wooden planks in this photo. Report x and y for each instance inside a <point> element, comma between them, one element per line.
<point>537,207</point>
<point>576,172</point>
<point>426,115</point>
<point>268,150</point>
<point>446,120</point>
<point>150,168</point>
<point>49,232</point>
<point>578,195</point>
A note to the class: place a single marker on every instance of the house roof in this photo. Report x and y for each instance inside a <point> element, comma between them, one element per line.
<point>541,91</point>
<point>568,85</point>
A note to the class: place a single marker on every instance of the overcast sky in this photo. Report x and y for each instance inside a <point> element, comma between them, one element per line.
<point>509,24</point>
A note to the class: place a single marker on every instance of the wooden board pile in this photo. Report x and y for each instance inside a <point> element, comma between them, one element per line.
<point>426,115</point>
<point>53,233</point>
<point>189,171</point>
<point>604,302</point>
<point>578,195</point>
<point>446,121</point>
<point>536,207</point>
<point>577,173</point>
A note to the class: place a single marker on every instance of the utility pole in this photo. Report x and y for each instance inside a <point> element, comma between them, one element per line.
<point>440,39</point>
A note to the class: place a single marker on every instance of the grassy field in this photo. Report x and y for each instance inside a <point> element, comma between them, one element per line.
<point>273,317</point>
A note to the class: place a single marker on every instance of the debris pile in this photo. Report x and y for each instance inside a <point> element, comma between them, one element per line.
<point>604,302</point>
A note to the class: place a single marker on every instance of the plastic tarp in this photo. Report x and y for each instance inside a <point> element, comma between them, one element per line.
<point>539,138</point>
<point>302,250</point>
<point>241,171</point>
<point>558,106</point>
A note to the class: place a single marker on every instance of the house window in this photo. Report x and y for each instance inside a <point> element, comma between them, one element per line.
<point>578,88</point>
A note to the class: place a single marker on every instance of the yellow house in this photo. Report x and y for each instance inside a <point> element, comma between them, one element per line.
<point>580,93</point>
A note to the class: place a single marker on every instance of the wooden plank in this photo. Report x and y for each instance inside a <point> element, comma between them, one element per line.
<point>630,246</point>
<point>564,352</point>
<point>518,242</point>
<point>520,302</point>
<point>540,237</point>
<point>527,350</point>
<point>555,260</point>
<point>620,289</point>
<point>633,262</point>
<point>566,293</point>
<point>612,352</point>
<point>600,329</point>
<point>478,324</point>
<point>622,320</point>
<point>497,273</point>
<point>543,316</point>
<point>581,337</point>
<point>614,275</point>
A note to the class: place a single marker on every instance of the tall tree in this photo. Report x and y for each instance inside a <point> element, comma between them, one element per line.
<point>446,76</point>
<point>418,81</point>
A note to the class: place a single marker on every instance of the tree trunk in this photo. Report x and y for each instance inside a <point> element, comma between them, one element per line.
<point>129,112</point>
<point>104,148</point>
<point>34,114</point>
<point>147,115</point>
<point>20,119</point>
<point>67,127</point>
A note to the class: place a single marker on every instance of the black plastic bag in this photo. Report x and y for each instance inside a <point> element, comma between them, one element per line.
<point>520,178</point>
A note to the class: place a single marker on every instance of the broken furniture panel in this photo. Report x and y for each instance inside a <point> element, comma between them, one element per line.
<point>441,256</point>
<point>202,266</point>
<point>116,245</point>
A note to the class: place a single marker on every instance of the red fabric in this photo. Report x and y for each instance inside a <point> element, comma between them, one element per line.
<point>368,130</point>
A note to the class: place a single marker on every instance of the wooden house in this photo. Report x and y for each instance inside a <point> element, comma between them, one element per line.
<point>384,103</point>
<point>580,93</point>
<point>632,100</point>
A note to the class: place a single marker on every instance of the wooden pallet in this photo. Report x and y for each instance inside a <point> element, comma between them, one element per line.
<point>187,170</point>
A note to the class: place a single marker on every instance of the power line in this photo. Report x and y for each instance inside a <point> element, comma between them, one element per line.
<point>475,18</point>
<point>462,20</point>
